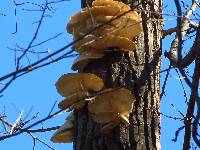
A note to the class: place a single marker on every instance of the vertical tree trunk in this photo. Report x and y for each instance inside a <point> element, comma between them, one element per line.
<point>139,72</point>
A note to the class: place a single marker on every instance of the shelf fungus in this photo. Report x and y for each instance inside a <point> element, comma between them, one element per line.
<point>65,133</point>
<point>127,26</point>
<point>75,87</point>
<point>84,58</point>
<point>90,13</point>
<point>102,43</point>
<point>75,101</point>
<point>106,24</point>
<point>111,108</point>
<point>109,126</point>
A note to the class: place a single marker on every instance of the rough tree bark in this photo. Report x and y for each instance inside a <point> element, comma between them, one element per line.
<point>139,72</point>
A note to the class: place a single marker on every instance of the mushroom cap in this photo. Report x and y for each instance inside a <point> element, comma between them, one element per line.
<point>86,13</point>
<point>64,134</point>
<point>119,101</point>
<point>125,26</point>
<point>89,18</point>
<point>123,6</point>
<point>88,26</point>
<point>105,117</point>
<point>84,58</point>
<point>69,84</point>
<point>79,105</point>
<point>105,42</point>
<point>75,100</point>
<point>109,126</point>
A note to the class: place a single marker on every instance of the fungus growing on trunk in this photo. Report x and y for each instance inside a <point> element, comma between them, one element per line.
<point>87,13</point>
<point>109,126</point>
<point>72,83</point>
<point>102,43</point>
<point>77,86</point>
<point>115,26</point>
<point>112,107</point>
<point>117,100</point>
<point>75,101</point>
<point>84,58</point>
<point>65,133</point>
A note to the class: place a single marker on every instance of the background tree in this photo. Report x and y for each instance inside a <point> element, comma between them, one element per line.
<point>138,71</point>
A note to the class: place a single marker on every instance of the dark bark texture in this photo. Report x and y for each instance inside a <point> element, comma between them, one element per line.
<point>138,71</point>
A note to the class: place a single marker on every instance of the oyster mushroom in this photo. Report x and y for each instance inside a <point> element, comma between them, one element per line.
<point>86,13</point>
<point>122,6</point>
<point>118,101</point>
<point>110,124</point>
<point>124,26</point>
<point>75,87</point>
<point>106,117</point>
<point>64,134</point>
<point>111,108</point>
<point>69,84</point>
<point>105,42</point>
<point>75,101</point>
<point>89,18</point>
<point>84,58</point>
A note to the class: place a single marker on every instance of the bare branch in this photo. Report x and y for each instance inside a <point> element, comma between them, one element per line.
<point>183,25</point>
<point>16,122</point>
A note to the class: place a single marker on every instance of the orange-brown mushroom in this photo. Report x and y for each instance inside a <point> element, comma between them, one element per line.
<point>127,26</point>
<point>78,82</point>
<point>105,117</point>
<point>75,87</point>
<point>105,42</point>
<point>100,10</point>
<point>124,26</point>
<point>111,107</point>
<point>99,13</point>
<point>116,34</point>
<point>84,58</point>
<point>118,101</point>
<point>113,123</point>
<point>123,6</point>
<point>86,13</point>
<point>64,134</point>
<point>75,101</point>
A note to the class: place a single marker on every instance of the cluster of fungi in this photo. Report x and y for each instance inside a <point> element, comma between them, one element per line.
<point>117,26</point>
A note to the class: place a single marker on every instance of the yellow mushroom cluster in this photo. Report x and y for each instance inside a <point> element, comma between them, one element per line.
<point>108,107</point>
<point>113,25</point>
<point>110,24</point>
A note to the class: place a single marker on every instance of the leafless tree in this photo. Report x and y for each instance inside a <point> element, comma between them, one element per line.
<point>138,71</point>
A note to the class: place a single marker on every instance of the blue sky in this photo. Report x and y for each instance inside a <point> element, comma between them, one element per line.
<point>37,89</point>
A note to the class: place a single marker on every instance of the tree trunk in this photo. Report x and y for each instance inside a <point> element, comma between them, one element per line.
<point>139,72</point>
